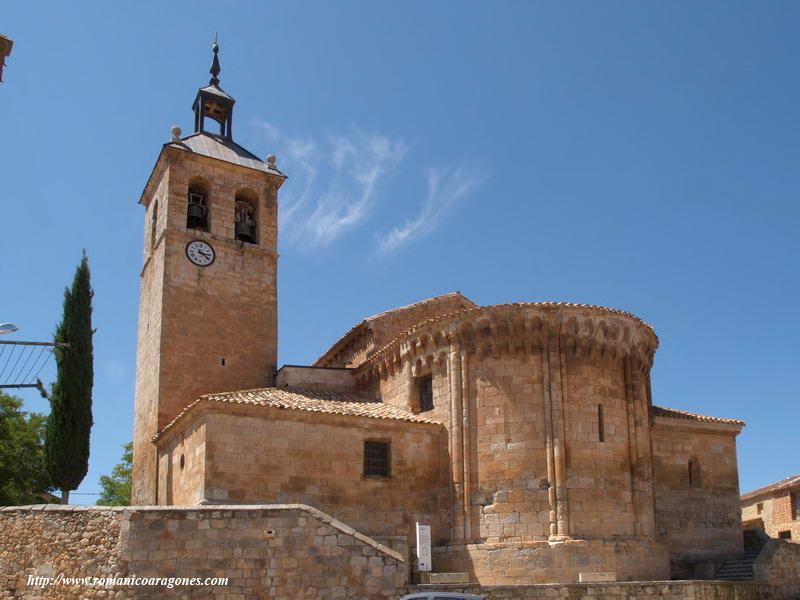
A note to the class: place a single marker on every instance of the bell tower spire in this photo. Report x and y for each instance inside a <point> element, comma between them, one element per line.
<point>215,68</point>
<point>212,101</point>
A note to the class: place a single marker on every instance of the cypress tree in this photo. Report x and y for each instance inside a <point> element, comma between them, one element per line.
<point>70,420</point>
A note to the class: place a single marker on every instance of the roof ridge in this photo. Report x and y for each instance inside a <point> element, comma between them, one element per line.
<point>420,303</point>
<point>685,414</point>
<point>773,487</point>
<point>349,404</point>
<point>363,322</point>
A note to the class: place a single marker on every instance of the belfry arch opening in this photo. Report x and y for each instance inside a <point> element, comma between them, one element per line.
<point>197,205</point>
<point>246,216</point>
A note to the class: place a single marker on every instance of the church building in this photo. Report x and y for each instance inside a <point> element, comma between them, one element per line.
<point>524,434</point>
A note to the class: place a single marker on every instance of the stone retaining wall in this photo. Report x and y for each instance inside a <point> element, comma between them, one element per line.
<point>531,563</point>
<point>779,564</point>
<point>273,551</point>
<point>637,590</point>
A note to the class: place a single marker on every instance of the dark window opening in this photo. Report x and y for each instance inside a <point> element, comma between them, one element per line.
<point>425,390</point>
<point>694,473</point>
<point>601,426</point>
<point>785,535</point>
<point>759,508</point>
<point>183,462</point>
<point>376,459</point>
<point>197,210</point>
<point>222,361</point>
<point>153,225</point>
<point>794,498</point>
<point>245,221</point>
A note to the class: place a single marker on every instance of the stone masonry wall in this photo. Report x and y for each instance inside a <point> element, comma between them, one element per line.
<point>271,455</point>
<point>283,552</point>
<point>201,329</point>
<point>546,408</point>
<point>779,564</point>
<point>521,564</point>
<point>699,520</point>
<point>182,468</point>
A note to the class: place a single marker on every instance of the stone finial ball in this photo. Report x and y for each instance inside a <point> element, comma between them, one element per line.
<point>271,159</point>
<point>176,131</point>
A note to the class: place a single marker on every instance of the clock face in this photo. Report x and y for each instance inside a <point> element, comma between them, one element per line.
<point>200,253</point>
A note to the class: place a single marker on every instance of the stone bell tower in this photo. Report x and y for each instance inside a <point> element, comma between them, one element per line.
<point>208,304</point>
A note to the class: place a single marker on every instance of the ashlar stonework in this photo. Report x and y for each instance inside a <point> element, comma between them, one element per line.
<point>525,434</point>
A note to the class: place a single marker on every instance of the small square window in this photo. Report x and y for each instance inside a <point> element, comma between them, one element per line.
<point>785,535</point>
<point>425,389</point>
<point>377,459</point>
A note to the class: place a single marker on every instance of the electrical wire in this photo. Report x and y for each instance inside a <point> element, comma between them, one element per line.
<point>14,373</point>
<point>8,360</point>
<point>36,377</point>
<point>26,379</point>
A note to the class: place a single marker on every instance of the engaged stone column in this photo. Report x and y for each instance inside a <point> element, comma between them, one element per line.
<point>637,397</point>
<point>456,436</point>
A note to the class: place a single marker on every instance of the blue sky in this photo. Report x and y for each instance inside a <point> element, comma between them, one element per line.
<point>637,155</point>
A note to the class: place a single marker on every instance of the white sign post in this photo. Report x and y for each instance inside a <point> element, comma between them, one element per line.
<point>424,546</point>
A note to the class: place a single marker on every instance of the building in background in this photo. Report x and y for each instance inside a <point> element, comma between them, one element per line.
<point>524,434</point>
<point>5,50</point>
<point>775,508</point>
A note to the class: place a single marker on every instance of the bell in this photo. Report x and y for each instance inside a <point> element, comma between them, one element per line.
<point>246,232</point>
<point>196,218</point>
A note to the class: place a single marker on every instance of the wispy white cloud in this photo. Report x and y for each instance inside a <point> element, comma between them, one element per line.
<point>337,180</point>
<point>337,185</point>
<point>447,186</point>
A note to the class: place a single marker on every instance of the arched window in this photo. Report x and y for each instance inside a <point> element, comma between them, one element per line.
<point>197,206</point>
<point>694,473</point>
<point>245,219</point>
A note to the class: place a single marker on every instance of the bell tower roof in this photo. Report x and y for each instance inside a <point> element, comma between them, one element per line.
<point>213,102</point>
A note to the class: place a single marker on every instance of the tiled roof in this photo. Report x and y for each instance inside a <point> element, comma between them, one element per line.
<point>363,324</point>
<point>773,487</point>
<point>660,411</point>
<point>215,146</point>
<point>319,401</point>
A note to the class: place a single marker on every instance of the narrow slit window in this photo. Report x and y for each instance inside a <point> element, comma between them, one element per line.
<point>425,389</point>
<point>694,473</point>
<point>601,426</point>
<point>154,225</point>
<point>377,459</point>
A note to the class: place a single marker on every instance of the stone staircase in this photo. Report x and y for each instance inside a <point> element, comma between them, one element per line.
<point>738,569</point>
<point>741,569</point>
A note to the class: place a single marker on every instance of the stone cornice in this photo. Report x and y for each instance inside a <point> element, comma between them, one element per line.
<point>519,327</point>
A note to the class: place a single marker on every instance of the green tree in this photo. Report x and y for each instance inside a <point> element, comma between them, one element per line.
<point>23,474</point>
<point>70,421</point>
<point>117,487</point>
